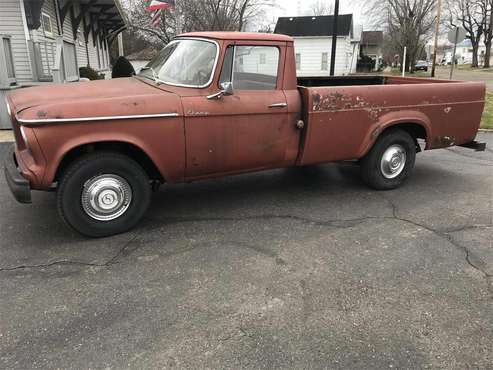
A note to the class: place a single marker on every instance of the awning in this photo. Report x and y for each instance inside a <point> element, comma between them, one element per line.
<point>107,14</point>
<point>32,9</point>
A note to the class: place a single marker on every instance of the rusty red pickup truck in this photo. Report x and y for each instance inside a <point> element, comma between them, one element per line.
<point>217,104</point>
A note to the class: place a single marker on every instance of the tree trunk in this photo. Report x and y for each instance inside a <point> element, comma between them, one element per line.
<point>475,61</point>
<point>487,54</point>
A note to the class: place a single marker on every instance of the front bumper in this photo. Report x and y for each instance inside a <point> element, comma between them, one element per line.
<point>19,185</point>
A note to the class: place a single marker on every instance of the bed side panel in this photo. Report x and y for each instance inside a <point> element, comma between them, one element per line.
<point>343,122</point>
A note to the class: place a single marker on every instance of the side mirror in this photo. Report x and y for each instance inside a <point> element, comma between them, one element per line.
<point>226,90</point>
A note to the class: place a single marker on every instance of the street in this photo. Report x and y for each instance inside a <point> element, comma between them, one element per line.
<point>294,268</point>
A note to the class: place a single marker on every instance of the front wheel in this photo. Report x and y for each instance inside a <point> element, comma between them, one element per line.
<point>390,162</point>
<point>103,194</point>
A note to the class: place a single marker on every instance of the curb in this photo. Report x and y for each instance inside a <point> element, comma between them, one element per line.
<point>6,136</point>
<point>485,130</point>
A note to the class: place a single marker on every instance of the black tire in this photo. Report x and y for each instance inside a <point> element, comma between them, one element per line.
<point>86,169</point>
<point>371,168</point>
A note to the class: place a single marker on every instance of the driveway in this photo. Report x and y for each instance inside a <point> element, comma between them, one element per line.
<point>295,268</point>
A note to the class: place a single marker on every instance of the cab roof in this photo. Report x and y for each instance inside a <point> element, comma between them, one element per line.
<point>239,36</point>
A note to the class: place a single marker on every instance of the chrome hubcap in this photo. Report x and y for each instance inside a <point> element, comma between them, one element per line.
<point>106,197</point>
<point>393,161</point>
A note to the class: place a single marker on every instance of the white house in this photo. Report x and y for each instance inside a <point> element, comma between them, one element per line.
<point>43,41</point>
<point>313,44</point>
<point>463,53</point>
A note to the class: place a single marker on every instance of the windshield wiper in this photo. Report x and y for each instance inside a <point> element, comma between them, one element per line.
<point>155,76</point>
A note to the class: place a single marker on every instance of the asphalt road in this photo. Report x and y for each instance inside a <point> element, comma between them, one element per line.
<point>297,268</point>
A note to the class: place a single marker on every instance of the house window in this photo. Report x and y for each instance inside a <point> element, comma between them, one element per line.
<point>298,62</point>
<point>262,58</point>
<point>47,27</point>
<point>325,62</point>
<point>9,59</point>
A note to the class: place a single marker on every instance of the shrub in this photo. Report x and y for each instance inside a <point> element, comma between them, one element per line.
<point>91,74</point>
<point>122,68</point>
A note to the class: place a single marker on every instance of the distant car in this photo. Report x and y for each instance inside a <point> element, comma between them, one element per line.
<point>421,65</point>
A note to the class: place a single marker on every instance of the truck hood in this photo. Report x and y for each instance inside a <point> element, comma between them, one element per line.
<point>91,100</point>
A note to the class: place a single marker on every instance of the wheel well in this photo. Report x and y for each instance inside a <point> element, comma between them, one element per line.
<point>414,129</point>
<point>127,149</point>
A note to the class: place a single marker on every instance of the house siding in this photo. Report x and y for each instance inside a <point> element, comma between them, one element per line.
<point>311,49</point>
<point>11,24</point>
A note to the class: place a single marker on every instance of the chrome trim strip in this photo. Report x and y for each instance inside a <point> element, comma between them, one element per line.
<point>90,119</point>
<point>278,105</point>
<point>213,73</point>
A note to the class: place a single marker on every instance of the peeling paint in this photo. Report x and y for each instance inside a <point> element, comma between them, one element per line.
<point>447,110</point>
<point>337,101</point>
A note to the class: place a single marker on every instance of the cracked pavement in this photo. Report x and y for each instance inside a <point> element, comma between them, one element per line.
<point>293,268</point>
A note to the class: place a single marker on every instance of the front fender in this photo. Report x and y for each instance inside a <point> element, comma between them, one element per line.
<point>162,140</point>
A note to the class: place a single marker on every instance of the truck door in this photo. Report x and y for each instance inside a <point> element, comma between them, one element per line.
<point>249,130</point>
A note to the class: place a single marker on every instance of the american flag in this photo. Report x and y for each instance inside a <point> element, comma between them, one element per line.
<point>157,7</point>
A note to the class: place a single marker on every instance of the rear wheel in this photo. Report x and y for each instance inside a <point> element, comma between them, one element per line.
<point>103,194</point>
<point>390,162</point>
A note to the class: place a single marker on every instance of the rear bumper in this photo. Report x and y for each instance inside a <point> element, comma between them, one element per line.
<point>477,146</point>
<point>19,185</point>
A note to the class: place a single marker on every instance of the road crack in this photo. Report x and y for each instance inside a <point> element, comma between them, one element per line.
<point>126,250</point>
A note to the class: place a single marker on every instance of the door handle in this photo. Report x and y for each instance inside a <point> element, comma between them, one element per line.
<point>278,105</point>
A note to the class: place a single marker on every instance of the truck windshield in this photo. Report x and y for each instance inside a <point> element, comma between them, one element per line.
<point>186,62</point>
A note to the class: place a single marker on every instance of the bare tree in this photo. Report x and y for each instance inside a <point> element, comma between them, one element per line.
<point>408,22</point>
<point>194,15</point>
<point>321,7</point>
<point>471,15</point>
<point>488,32</point>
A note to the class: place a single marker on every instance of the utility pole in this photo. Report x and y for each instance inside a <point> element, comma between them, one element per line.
<point>334,39</point>
<point>404,61</point>
<point>437,30</point>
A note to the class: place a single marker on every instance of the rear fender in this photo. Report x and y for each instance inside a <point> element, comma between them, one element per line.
<point>394,119</point>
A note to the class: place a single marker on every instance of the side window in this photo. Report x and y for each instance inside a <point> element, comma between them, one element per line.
<point>255,67</point>
<point>227,65</point>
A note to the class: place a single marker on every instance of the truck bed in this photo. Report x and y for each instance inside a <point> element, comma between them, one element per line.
<point>345,115</point>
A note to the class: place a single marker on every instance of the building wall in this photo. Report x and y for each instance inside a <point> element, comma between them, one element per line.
<point>312,48</point>
<point>11,24</point>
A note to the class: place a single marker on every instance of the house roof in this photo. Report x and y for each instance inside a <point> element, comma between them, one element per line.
<point>372,37</point>
<point>315,26</point>
<point>238,36</point>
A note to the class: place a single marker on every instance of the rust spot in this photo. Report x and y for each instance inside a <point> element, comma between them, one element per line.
<point>374,113</point>
<point>337,101</point>
<point>42,114</point>
<point>444,141</point>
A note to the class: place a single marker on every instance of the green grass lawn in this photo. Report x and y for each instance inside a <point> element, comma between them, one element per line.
<point>487,121</point>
